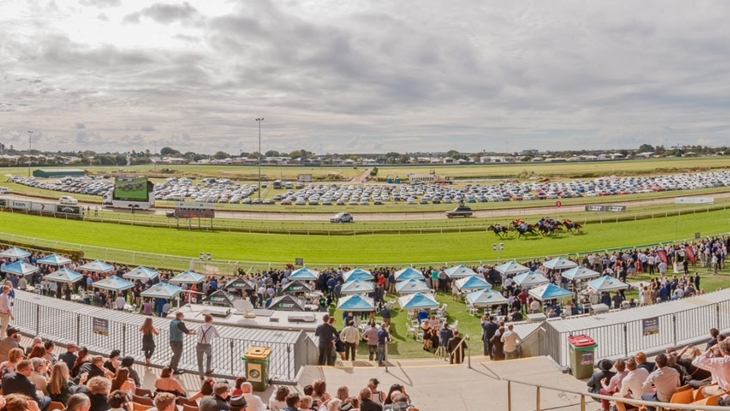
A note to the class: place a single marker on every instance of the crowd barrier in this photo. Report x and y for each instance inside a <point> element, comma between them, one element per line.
<point>649,329</point>
<point>103,330</point>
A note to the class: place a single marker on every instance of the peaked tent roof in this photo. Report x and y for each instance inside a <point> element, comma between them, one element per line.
<point>511,267</point>
<point>357,287</point>
<point>19,268</point>
<point>356,303</point>
<point>287,303</point>
<point>408,273</point>
<point>14,252</point>
<point>549,291</point>
<point>54,259</point>
<point>304,273</point>
<point>64,275</point>
<point>459,271</point>
<point>141,273</point>
<point>531,279</point>
<point>297,286</point>
<point>607,283</point>
<point>417,301</point>
<point>559,263</point>
<point>240,283</point>
<point>220,297</point>
<point>580,273</point>
<point>485,298</point>
<point>162,290</point>
<point>357,274</point>
<point>411,286</point>
<point>113,283</point>
<point>97,267</point>
<point>472,283</point>
<point>187,277</point>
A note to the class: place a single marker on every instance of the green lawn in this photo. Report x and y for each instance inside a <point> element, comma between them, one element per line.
<point>401,249</point>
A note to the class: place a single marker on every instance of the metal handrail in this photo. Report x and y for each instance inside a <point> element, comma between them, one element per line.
<point>658,405</point>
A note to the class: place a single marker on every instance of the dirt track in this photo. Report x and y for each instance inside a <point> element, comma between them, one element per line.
<point>426,215</point>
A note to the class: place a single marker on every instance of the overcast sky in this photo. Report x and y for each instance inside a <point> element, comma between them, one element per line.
<point>363,76</point>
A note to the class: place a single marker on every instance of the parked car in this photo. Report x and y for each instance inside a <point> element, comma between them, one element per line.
<point>68,200</point>
<point>342,218</point>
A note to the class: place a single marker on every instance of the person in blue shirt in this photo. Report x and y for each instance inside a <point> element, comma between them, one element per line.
<point>383,339</point>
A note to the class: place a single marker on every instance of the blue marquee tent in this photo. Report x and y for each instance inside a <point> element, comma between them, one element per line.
<point>141,273</point>
<point>97,267</point>
<point>187,277</point>
<point>54,259</point>
<point>356,303</point>
<point>472,283</point>
<point>459,271</point>
<point>19,268</point>
<point>113,283</point>
<point>357,287</point>
<point>417,301</point>
<point>64,275</point>
<point>411,286</point>
<point>485,298</point>
<point>357,274</point>
<point>162,290</point>
<point>511,267</point>
<point>549,291</point>
<point>408,273</point>
<point>14,252</point>
<point>580,273</point>
<point>531,279</point>
<point>560,263</point>
<point>304,273</point>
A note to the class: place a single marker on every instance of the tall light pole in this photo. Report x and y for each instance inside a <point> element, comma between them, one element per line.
<point>259,120</point>
<point>30,135</point>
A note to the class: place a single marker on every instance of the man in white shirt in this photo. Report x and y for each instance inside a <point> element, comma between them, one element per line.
<point>253,401</point>
<point>665,379</point>
<point>6,313</point>
<point>350,336</point>
<point>632,384</point>
<point>510,339</point>
<point>119,302</point>
<point>719,366</point>
<point>206,333</point>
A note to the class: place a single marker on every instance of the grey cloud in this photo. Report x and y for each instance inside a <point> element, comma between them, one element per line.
<point>80,125</point>
<point>165,13</point>
<point>102,3</point>
<point>147,128</point>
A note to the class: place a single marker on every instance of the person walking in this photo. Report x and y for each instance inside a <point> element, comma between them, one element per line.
<point>371,337</point>
<point>177,331</point>
<point>206,333</point>
<point>6,313</point>
<point>350,336</point>
<point>510,340</point>
<point>148,339</point>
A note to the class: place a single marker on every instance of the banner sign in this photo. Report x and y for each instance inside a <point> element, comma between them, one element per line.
<point>20,205</point>
<point>694,200</point>
<point>68,209</point>
<point>606,208</point>
<point>650,326</point>
<point>101,326</point>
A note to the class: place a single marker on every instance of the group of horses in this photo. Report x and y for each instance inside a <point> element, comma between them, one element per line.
<point>545,226</point>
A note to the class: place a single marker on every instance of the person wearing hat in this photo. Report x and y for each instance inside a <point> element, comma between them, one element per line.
<point>8,343</point>
<point>69,357</point>
<point>604,371</point>
<point>237,403</point>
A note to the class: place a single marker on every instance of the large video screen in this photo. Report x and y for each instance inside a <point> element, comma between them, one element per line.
<point>130,188</point>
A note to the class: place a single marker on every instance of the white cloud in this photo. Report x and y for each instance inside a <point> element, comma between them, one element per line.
<point>365,76</point>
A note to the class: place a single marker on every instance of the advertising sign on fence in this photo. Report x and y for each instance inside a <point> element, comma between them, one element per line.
<point>101,326</point>
<point>606,208</point>
<point>650,326</point>
<point>694,200</point>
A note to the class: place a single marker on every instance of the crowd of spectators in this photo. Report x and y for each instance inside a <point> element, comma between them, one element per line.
<point>707,372</point>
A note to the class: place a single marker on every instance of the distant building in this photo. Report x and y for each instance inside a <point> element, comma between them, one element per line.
<point>58,172</point>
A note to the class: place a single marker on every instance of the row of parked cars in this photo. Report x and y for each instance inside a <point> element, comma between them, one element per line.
<point>223,190</point>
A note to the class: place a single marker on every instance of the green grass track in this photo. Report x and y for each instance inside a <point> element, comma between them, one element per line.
<point>360,249</point>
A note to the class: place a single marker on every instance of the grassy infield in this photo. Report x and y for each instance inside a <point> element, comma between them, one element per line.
<point>394,249</point>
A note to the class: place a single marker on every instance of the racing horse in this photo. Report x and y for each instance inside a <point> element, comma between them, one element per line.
<point>572,226</point>
<point>523,228</point>
<point>499,231</point>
